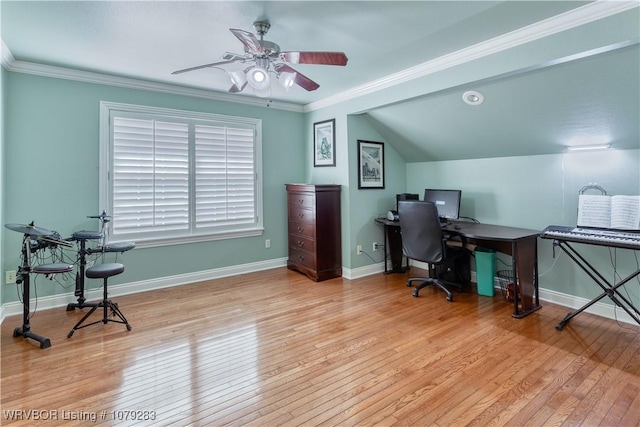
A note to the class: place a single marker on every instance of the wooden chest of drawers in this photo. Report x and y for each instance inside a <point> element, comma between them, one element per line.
<point>315,247</point>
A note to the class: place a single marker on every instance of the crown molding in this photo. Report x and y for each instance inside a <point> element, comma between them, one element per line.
<point>571,19</point>
<point>7,58</point>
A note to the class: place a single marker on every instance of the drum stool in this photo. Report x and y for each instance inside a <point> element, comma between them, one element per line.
<point>103,271</point>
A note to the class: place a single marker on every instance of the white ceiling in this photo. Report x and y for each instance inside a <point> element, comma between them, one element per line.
<point>149,40</point>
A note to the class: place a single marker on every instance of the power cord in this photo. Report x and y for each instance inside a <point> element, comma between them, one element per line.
<point>371,258</point>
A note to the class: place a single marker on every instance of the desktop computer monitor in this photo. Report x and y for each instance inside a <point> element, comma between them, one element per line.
<point>447,202</point>
<point>406,196</point>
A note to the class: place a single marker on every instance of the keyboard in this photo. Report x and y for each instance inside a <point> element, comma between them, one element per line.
<point>611,238</point>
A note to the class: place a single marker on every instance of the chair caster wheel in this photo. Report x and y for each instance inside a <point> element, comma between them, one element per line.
<point>70,334</point>
<point>415,294</point>
<point>450,298</point>
<point>128,327</point>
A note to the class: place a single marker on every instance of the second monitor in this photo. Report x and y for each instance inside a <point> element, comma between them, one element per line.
<point>447,202</point>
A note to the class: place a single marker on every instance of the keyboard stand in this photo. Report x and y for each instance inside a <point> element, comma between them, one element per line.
<point>610,289</point>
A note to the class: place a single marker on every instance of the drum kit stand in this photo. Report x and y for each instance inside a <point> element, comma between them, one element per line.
<point>82,237</point>
<point>36,239</point>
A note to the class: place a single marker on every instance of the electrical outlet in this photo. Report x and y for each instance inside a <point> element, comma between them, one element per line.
<point>359,250</point>
<point>267,243</point>
<point>10,277</point>
<point>375,246</point>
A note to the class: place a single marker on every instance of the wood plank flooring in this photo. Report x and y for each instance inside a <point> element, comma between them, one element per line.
<point>275,349</point>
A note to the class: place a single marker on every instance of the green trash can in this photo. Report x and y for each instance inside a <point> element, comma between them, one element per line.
<point>485,270</point>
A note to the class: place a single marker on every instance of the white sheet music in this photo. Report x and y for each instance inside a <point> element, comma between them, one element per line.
<point>625,212</point>
<point>617,212</point>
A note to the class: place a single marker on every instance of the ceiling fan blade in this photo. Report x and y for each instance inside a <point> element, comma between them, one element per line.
<point>230,56</point>
<point>249,40</point>
<point>203,66</point>
<point>300,79</point>
<point>320,58</point>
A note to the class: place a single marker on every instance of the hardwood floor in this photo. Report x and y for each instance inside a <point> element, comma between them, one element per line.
<point>274,348</point>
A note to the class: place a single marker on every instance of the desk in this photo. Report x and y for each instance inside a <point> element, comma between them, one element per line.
<point>520,243</point>
<point>392,246</point>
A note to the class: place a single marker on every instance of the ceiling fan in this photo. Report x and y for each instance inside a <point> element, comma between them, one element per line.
<point>265,56</point>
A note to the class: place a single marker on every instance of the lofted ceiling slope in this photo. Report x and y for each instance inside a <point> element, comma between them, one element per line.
<point>591,100</point>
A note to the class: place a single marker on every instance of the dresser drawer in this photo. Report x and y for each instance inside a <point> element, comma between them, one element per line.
<point>297,241</point>
<point>304,229</point>
<point>302,200</point>
<point>299,214</point>
<point>301,256</point>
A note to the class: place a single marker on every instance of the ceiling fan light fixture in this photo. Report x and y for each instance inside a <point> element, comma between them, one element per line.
<point>258,78</point>
<point>473,97</point>
<point>238,78</point>
<point>287,79</point>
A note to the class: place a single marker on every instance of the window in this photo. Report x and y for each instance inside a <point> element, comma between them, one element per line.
<point>170,176</point>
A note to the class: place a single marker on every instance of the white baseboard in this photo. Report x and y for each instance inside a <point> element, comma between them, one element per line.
<point>61,300</point>
<point>608,311</point>
<point>367,270</point>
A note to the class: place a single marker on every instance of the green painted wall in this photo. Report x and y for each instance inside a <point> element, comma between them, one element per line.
<point>369,204</point>
<point>51,171</point>
<point>3,179</point>
<point>359,207</point>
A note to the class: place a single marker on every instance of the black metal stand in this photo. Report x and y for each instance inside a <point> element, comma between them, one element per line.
<point>24,331</point>
<point>107,305</point>
<point>79,292</point>
<point>23,276</point>
<point>610,289</point>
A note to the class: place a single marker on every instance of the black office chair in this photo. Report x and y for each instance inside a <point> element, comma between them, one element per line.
<point>423,240</point>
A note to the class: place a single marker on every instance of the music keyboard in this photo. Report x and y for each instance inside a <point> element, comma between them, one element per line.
<point>611,238</point>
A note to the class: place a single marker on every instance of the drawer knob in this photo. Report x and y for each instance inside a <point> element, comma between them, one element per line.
<point>300,229</point>
<point>300,243</point>
<point>300,201</point>
<point>301,257</point>
<point>300,215</point>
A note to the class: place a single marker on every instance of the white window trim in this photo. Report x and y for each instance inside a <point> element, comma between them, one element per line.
<point>107,107</point>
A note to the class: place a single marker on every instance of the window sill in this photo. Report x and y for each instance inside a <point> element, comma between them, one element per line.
<point>158,242</point>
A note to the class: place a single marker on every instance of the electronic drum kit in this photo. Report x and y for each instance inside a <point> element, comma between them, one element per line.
<point>36,239</point>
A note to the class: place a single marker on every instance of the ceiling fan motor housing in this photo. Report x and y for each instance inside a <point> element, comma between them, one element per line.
<point>261,27</point>
<point>263,63</point>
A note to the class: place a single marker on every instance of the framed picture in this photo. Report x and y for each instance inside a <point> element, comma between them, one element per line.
<point>370,164</point>
<point>324,145</point>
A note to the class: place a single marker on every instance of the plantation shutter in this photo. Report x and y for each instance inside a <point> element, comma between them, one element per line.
<point>225,176</point>
<point>150,175</point>
<point>174,177</point>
